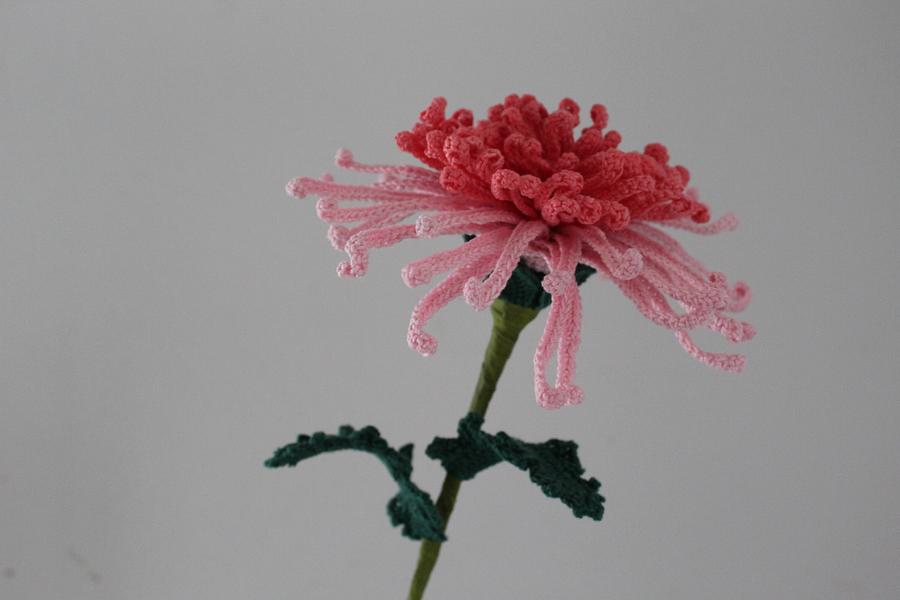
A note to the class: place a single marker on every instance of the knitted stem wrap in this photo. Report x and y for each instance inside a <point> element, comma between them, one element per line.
<point>509,321</point>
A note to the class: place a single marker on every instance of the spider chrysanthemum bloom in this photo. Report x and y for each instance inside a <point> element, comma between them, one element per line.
<point>532,197</point>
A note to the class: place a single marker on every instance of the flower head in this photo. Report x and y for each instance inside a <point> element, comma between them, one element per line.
<point>536,200</point>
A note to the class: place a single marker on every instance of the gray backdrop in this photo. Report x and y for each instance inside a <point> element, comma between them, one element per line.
<point>169,316</point>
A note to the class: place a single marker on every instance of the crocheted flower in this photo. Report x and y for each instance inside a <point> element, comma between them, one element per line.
<point>530,192</point>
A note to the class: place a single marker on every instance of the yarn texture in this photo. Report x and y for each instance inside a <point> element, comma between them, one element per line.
<point>546,208</point>
<point>411,507</point>
<point>553,465</point>
<point>524,287</point>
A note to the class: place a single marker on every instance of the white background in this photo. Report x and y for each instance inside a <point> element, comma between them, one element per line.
<point>168,316</point>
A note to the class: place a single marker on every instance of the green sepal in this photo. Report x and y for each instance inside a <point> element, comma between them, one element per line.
<point>553,465</point>
<point>524,285</point>
<point>411,507</point>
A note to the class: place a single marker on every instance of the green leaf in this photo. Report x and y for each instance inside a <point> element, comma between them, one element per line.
<point>411,507</point>
<point>553,465</point>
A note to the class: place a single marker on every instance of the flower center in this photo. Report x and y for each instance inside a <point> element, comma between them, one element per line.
<point>529,157</point>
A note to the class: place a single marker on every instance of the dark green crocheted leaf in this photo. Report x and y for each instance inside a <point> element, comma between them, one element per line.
<point>411,507</point>
<point>553,464</point>
<point>524,285</point>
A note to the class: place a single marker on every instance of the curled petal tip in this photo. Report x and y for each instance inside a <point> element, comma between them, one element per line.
<point>324,206</point>
<point>348,269</point>
<point>421,342</point>
<point>739,331</point>
<point>749,332</point>
<point>413,277</point>
<point>735,331</point>
<point>730,222</point>
<point>343,158</point>
<point>295,187</point>
<point>740,297</point>
<point>555,398</point>
<point>548,401</point>
<point>559,282</point>
<point>477,295</point>
<point>573,395</point>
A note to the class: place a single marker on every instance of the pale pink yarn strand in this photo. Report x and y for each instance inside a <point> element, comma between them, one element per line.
<point>563,329</point>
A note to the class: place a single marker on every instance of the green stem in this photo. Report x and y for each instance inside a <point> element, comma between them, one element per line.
<point>509,321</point>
